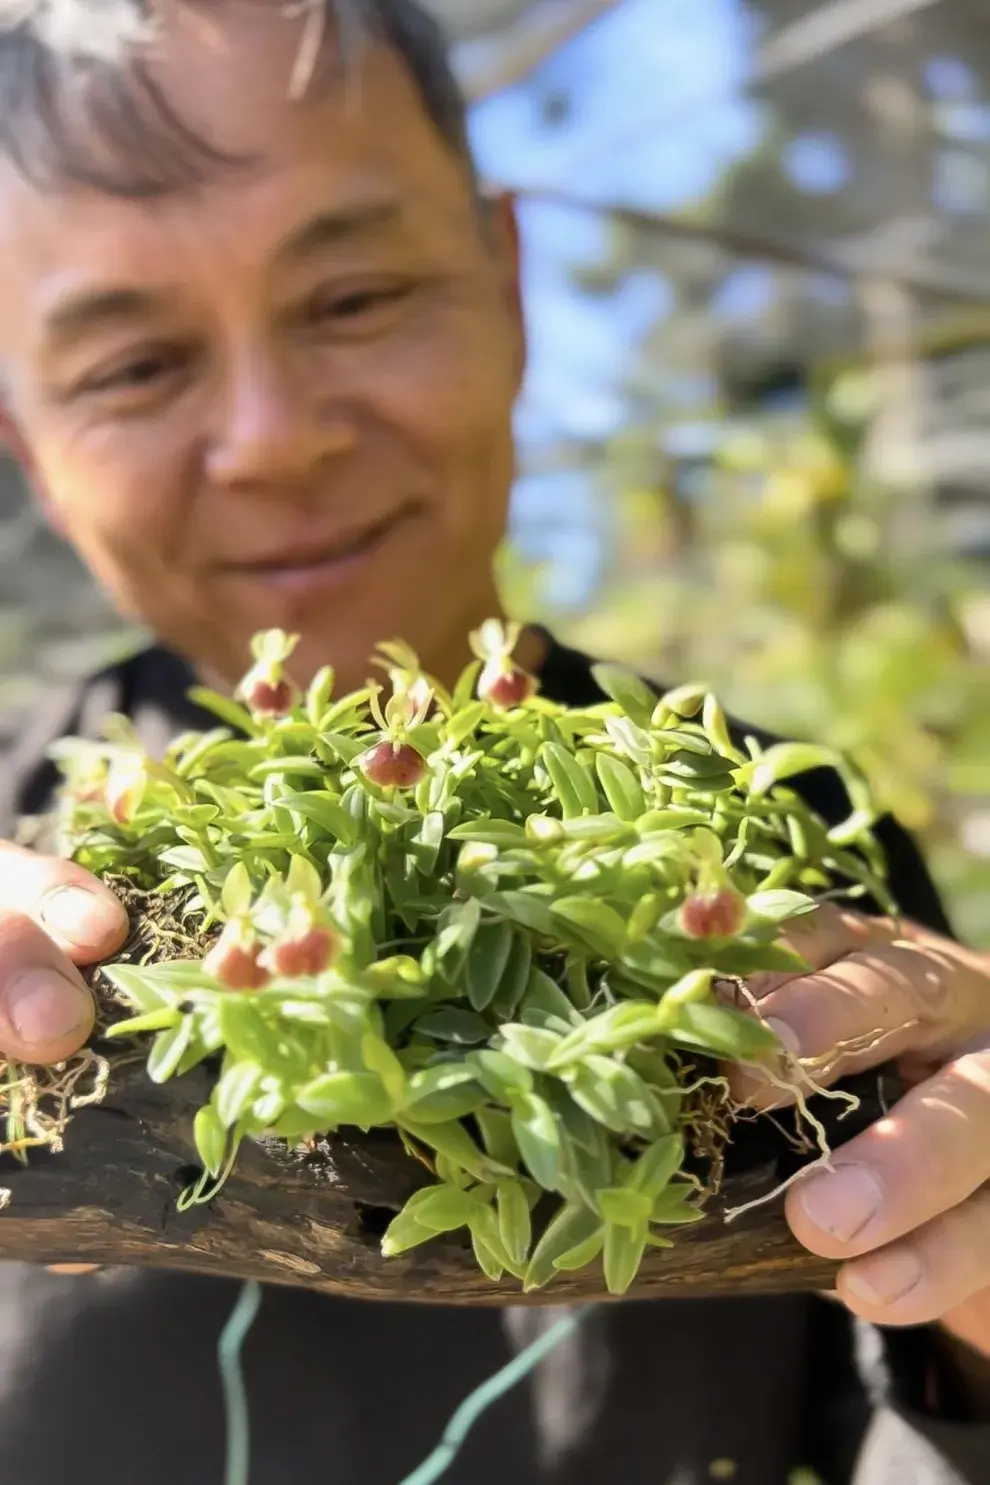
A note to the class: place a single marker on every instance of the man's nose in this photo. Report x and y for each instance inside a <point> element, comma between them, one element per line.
<point>269,430</point>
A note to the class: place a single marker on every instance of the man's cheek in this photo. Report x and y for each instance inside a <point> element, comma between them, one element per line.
<point>127,553</point>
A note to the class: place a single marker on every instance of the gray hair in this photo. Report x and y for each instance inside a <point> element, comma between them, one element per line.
<point>78,105</point>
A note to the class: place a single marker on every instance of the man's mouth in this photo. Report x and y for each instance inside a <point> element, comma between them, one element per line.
<point>319,560</point>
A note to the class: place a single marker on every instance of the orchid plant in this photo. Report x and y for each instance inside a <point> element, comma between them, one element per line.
<point>511,932</point>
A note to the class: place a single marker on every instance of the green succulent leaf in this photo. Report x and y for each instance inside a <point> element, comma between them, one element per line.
<point>238,890</point>
<point>573,785</point>
<point>676,1206</point>
<point>538,1138</point>
<point>621,787</point>
<point>504,1077</point>
<point>778,907</point>
<point>210,1136</point>
<point>346,1098</point>
<point>656,1166</point>
<point>613,1095</point>
<point>324,810</point>
<point>487,961</point>
<point>168,1050</point>
<point>528,1045</point>
<point>784,761</point>
<point>624,1249</point>
<point>236,1091</point>
<point>628,691</point>
<point>445,1208</point>
<point>596,924</point>
<point>572,1225</point>
<point>451,1024</point>
<point>720,1031</point>
<point>514,1222</point>
<point>624,1207</point>
<point>453,1141</point>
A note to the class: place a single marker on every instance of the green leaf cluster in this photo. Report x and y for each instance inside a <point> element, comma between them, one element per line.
<point>512,995</point>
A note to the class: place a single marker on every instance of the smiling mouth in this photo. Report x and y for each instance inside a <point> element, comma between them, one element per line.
<point>310,562</point>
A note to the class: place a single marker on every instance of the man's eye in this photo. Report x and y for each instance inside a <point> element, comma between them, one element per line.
<point>354,305</point>
<point>138,372</point>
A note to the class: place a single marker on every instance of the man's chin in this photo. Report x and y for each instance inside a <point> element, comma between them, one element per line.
<point>350,655</point>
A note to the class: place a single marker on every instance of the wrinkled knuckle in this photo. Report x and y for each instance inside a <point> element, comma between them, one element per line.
<point>973,1070</point>
<point>827,934</point>
<point>928,982</point>
<point>923,1161</point>
<point>849,930</point>
<point>842,1020</point>
<point>965,1232</point>
<point>814,927</point>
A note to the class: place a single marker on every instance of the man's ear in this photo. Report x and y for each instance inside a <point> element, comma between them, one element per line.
<point>502,222</point>
<point>16,446</point>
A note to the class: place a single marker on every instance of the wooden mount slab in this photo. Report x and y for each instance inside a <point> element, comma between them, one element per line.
<point>315,1222</point>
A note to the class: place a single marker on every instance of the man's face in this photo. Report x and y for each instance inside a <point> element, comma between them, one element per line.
<point>282,398</point>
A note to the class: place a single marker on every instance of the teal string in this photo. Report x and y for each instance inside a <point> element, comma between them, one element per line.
<point>242,1317</point>
<point>485,1396</point>
<point>239,1322</point>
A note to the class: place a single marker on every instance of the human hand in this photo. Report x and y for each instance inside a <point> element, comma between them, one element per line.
<point>54,916</point>
<point>907,1207</point>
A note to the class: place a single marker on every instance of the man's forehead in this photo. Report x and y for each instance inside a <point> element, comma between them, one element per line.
<point>282,207</point>
<point>357,155</point>
<point>207,62</point>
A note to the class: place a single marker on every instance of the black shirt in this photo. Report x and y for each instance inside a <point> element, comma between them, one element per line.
<point>112,1380</point>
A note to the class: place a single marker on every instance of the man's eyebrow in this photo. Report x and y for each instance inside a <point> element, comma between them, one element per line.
<point>330,228</point>
<point>91,309</point>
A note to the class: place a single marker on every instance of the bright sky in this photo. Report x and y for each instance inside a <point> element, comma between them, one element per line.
<point>672,98</point>
<point>682,82</point>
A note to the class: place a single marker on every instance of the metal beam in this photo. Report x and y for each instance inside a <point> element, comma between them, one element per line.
<point>490,64</point>
<point>838,261</point>
<point>798,45</point>
<point>826,29</point>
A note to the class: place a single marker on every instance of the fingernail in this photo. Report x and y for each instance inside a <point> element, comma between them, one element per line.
<point>758,1083</point>
<point>785,1034</point>
<point>43,1006</point>
<point>83,918</point>
<point>886,1279</point>
<point>841,1204</point>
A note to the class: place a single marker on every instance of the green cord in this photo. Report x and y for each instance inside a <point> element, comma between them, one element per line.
<point>242,1317</point>
<point>490,1392</point>
<point>238,1324</point>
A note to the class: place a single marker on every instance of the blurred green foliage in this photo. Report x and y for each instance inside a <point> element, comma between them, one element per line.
<point>818,604</point>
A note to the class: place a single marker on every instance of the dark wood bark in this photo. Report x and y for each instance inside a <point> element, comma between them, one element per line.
<point>110,1198</point>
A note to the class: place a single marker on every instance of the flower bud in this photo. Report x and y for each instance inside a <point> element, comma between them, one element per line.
<point>685,701</point>
<point>308,945</point>
<point>694,988</point>
<point>87,785</point>
<point>124,790</point>
<point>309,953</point>
<point>269,698</point>
<point>394,765</point>
<point>545,830</point>
<point>504,685</point>
<point>234,960</point>
<point>420,693</point>
<point>713,914</point>
<point>266,688</point>
<point>476,855</point>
